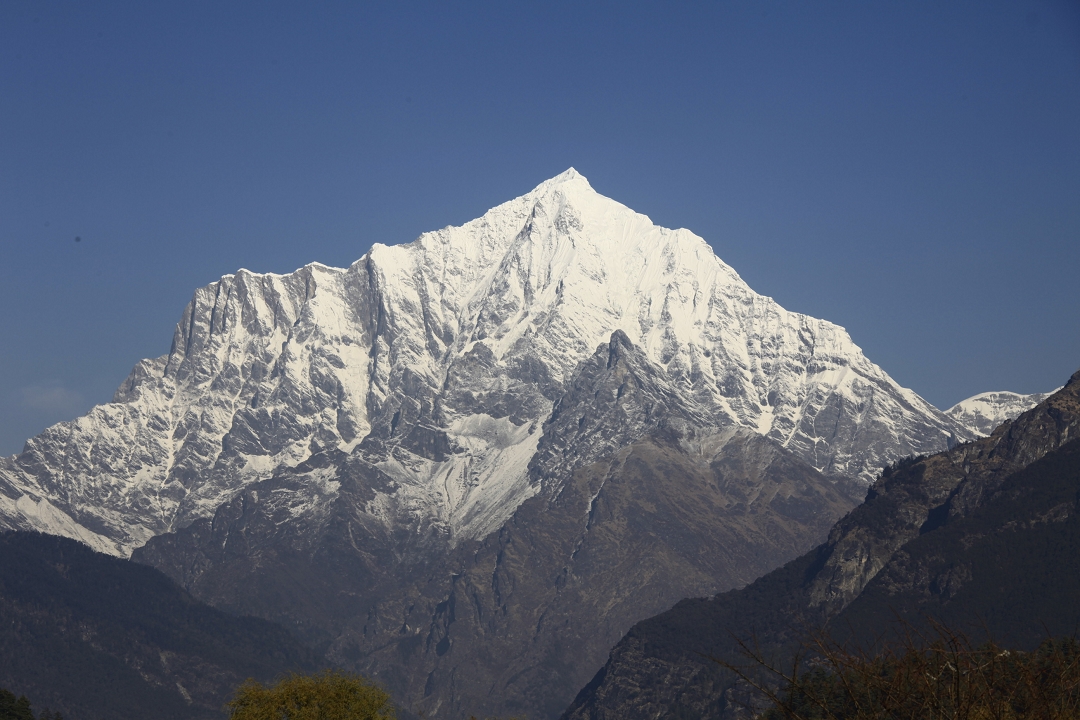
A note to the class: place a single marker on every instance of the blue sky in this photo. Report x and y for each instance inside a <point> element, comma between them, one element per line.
<point>909,170</point>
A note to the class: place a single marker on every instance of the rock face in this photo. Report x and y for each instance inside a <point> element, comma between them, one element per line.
<point>983,412</point>
<point>1010,562</point>
<point>438,361</point>
<point>986,527</point>
<point>635,506</point>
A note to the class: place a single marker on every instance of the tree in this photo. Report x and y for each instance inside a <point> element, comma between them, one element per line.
<point>14,708</point>
<point>330,695</point>
<point>935,675</point>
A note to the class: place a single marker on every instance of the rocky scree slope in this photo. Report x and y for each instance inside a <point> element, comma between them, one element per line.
<point>939,534</point>
<point>437,362</point>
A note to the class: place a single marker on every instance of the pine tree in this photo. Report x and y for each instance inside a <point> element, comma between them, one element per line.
<point>14,708</point>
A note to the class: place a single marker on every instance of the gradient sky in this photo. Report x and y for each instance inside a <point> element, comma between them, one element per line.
<point>909,170</point>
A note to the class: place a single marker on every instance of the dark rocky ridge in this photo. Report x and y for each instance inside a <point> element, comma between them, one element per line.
<point>1011,565</point>
<point>636,506</point>
<point>96,637</point>
<point>928,538</point>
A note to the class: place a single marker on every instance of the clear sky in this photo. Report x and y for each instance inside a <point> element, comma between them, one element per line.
<point>909,170</point>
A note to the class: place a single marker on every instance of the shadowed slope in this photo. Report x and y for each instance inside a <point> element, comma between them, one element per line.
<point>93,636</point>
<point>985,529</point>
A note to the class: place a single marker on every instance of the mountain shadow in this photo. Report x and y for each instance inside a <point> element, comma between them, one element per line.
<point>95,637</point>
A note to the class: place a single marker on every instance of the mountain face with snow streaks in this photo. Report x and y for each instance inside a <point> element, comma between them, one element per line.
<point>637,503</point>
<point>439,361</point>
<point>982,413</point>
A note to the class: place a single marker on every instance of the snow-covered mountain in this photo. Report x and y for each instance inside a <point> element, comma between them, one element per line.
<point>983,412</point>
<point>439,362</point>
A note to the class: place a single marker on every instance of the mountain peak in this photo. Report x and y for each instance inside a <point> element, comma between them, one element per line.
<point>568,178</point>
<point>464,338</point>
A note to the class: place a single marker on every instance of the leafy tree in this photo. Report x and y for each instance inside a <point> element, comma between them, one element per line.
<point>330,695</point>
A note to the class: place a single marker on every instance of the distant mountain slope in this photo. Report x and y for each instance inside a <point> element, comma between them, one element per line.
<point>436,362</point>
<point>96,637</point>
<point>988,529</point>
<point>983,412</point>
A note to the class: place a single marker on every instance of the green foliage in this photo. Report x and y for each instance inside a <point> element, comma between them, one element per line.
<point>904,464</point>
<point>330,695</point>
<point>14,708</point>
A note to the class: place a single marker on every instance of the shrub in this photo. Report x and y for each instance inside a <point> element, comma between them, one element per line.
<point>330,695</point>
